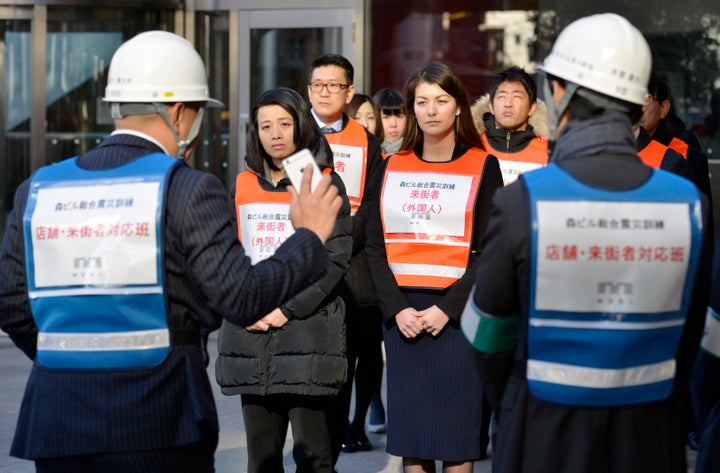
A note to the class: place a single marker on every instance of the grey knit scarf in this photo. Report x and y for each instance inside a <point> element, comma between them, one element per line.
<point>391,147</point>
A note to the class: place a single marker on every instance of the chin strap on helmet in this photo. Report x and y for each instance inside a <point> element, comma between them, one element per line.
<point>120,110</point>
<point>555,111</point>
<point>192,134</point>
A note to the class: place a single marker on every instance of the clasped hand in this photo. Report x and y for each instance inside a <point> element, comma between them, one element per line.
<point>412,323</point>
<point>274,319</point>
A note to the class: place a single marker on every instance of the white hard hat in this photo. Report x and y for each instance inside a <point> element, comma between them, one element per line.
<point>604,53</point>
<point>157,66</point>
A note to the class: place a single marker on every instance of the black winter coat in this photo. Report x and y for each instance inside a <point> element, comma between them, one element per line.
<point>305,356</point>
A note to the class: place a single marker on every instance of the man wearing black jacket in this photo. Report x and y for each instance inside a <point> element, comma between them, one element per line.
<point>590,294</point>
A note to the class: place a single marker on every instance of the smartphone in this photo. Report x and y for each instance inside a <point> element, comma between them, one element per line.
<point>294,165</point>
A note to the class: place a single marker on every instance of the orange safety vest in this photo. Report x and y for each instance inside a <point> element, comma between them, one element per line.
<point>535,153</point>
<point>427,212</point>
<point>680,146</point>
<point>263,217</point>
<point>653,154</point>
<point>351,167</point>
<point>249,191</point>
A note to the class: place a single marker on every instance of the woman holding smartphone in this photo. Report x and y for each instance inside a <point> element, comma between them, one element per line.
<point>289,363</point>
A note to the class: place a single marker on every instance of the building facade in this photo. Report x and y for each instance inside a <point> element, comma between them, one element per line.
<point>54,56</point>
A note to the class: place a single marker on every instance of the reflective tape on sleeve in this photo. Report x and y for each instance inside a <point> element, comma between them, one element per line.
<point>487,333</point>
<point>711,337</point>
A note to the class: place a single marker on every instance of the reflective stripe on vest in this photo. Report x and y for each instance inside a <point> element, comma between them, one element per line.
<point>512,164</point>
<point>711,337</point>
<point>350,154</point>
<point>652,155</point>
<point>93,250</point>
<point>427,216</point>
<point>263,217</point>
<point>611,281</point>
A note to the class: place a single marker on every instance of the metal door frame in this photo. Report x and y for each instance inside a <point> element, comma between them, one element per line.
<point>348,15</point>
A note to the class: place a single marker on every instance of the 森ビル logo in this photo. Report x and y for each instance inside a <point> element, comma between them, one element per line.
<point>84,266</point>
<point>609,292</point>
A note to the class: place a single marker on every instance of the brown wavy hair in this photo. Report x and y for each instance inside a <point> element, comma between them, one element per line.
<point>446,78</point>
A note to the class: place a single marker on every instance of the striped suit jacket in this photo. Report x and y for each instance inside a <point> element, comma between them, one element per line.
<point>207,277</point>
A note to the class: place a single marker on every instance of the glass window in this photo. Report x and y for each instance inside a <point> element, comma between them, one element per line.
<point>281,56</point>
<point>212,41</point>
<point>15,106</point>
<point>80,44</point>
<point>479,39</point>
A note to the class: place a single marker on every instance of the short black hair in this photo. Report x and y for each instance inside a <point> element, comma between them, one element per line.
<point>518,75</point>
<point>333,60</point>
<point>659,88</point>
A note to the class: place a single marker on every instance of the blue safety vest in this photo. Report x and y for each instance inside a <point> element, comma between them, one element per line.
<point>93,252</point>
<point>611,279</point>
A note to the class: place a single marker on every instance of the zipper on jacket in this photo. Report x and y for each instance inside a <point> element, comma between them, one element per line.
<point>507,142</point>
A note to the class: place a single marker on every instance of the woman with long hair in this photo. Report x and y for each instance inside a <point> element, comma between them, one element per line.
<point>432,207</point>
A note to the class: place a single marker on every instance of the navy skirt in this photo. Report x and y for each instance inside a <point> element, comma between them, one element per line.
<point>434,392</point>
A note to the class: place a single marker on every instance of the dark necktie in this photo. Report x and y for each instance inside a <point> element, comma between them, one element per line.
<point>327,129</point>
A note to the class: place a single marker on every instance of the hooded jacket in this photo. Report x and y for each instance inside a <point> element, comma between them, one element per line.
<point>518,151</point>
<point>538,127</point>
<point>306,356</point>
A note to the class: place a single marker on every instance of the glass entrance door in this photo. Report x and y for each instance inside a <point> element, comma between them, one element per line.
<point>281,45</point>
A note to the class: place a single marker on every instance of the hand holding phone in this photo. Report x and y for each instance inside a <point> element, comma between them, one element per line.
<point>294,165</point>
<point>315,209</point>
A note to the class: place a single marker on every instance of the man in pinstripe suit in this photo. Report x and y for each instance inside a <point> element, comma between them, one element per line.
<point>116,263</point>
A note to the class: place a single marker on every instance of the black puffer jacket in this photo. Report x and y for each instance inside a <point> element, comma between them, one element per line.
<point>307,355</point>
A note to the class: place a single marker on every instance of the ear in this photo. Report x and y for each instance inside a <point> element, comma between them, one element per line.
<point>664,108</point>
<point>350,93</point>
<point>532,109</point>
<point>558,91</point>
<point>175,112</point>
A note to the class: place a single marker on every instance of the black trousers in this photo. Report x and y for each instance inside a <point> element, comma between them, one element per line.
<point>266,425</point>
<point>365,369</point>
<point>192,458</point>
<point>365,362</point>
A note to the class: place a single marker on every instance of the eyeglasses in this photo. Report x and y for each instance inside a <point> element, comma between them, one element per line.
<point>332,87</point>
